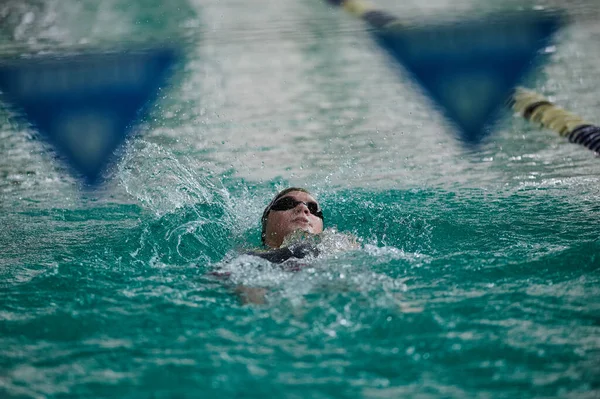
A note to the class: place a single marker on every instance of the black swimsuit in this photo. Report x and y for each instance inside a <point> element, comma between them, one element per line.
<point>280,255</point>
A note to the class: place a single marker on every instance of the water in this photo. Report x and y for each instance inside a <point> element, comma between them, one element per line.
<point>478,270</point>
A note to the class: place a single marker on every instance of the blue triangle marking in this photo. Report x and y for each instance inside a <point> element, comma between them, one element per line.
<point>470,69</point>
<point>85,104</point>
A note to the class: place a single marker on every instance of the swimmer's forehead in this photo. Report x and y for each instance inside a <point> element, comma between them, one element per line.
<point>300,196</point>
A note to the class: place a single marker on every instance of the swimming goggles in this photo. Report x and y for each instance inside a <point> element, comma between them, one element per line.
<point>287,203</point>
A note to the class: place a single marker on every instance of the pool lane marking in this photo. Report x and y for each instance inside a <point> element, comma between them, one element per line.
<point>536,108</point>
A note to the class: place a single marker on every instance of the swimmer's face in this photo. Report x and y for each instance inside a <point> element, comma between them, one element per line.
<point>284,222</point>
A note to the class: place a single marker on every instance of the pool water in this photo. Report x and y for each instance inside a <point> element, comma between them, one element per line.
<point>478,269</point>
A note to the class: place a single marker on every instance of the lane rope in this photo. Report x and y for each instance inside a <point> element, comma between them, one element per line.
<point>536,108</point>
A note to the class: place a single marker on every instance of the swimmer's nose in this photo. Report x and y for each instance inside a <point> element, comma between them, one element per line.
<point>304,208</point>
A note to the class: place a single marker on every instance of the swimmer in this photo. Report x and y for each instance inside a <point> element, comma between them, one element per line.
<point>292,229</point>
<point>291,217</point>
<point>293,214</point>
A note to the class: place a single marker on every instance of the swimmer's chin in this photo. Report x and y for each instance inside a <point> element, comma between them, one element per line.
<point>298,234</point>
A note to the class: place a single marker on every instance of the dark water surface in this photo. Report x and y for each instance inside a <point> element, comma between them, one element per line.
<point>478,273</point>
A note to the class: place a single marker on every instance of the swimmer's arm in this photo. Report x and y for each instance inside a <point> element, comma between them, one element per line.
<point>251,295</point>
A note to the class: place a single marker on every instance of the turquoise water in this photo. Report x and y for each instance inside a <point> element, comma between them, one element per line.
<point>478,271</point>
